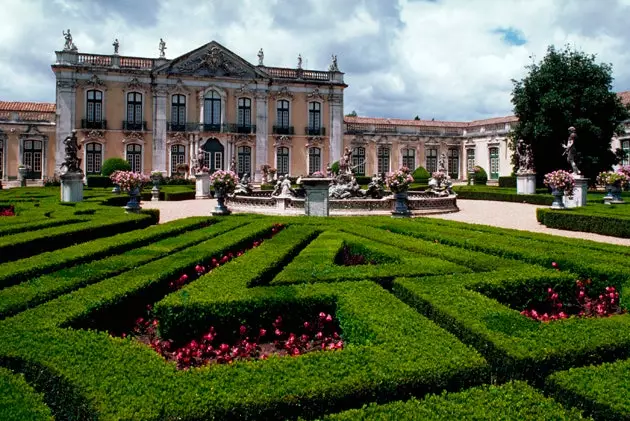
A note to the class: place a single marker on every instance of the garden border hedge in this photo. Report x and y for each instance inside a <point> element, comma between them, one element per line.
<point>615,226</point>
<point>19,401</point>
<point>534,199</point>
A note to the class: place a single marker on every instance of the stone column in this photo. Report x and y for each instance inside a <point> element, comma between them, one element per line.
<point>336,126</point>
<point>261,134</point>
<point>159,129</point>
<point>66,116</point>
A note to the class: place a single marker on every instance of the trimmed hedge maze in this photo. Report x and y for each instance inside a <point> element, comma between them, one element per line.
<point>428,318</point>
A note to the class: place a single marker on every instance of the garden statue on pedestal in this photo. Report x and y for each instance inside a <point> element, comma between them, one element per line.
<point>569,151</point>
<point>156,176</point>
<point>202,180</point>
<point>344,185</point>
<point>233,165</point>
<point>440,184</point>
<point>376,188</point>
<point>264,169</point>
<point>72,177</point>
<point>283,187</point>
<point>525,175</point>
<point>244,187</point>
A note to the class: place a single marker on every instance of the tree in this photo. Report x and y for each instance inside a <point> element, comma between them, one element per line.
<point>568,88</point>
<point>417,118</point>
<point>352,114</point>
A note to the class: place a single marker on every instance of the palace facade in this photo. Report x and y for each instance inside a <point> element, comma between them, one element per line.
<point>157,113</point>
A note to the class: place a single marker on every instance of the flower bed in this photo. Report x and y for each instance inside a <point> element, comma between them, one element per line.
<point>7,210</point>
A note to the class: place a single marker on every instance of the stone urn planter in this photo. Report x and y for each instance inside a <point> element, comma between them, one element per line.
<point>316,202</point>
<point>220,209</point>
<point>557,199</point>
<point>22,173</point>
<point>614,193</point>
<point>133,205</point>
<point>401,210</point>
<point>116,189</point>
<point>155,191</point>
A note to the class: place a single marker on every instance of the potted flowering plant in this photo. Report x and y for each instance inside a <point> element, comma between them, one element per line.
<point>398,182</point>
<point>224,183</point>
<point>318,174</point>
<point>561,182</point>
<point>614,182</point>
<point>132,183</point>
<point>440,177</point>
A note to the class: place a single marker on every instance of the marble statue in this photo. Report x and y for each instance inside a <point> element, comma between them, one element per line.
<point>233,165</point>
<point>116,44</point>
<point>69,44</point>
<point>329,172</point>
<point>442,163</point>
<point>569,150</point>
<point>244,186</point>
<point>162,48</point>
<point>261,57</point>
<point>344,162</point>
<point>299,61</point>
<point>199,161</point>
<point>525,157</point>
<point>333,65</point>
<point>376,188</point>
<point>72,163</point>
<point>278,187</point>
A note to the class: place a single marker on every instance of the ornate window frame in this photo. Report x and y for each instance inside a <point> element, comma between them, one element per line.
<point>4,162</point>
<point>142,152</point>
<point>102,90</point>
<point>33,133</point>
<point>202,97</point>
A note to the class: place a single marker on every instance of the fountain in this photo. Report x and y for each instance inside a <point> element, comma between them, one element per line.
<point>340,195</point>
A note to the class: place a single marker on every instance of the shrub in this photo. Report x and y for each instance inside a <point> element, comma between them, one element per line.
<point>473,193</point>
<point>19,401</point>
<point>335,167</point>
<point>363,180</point>
<point>98,181</point>
<point>114,164</point>
<point>507,181</point>
<point>179,195</point>
<point>480,176</point>
<point>421,175</point>
<point>578,220</point>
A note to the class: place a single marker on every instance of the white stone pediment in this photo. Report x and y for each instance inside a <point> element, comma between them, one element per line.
<point>211,60</point>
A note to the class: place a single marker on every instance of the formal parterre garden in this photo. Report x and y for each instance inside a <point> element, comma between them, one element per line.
<point>109,316</point>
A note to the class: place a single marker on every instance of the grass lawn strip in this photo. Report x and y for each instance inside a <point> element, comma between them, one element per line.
<point>46,287</point>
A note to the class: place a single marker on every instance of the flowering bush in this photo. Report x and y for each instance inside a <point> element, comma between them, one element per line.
<point>624,169</point>
<point>129,180</point>
<point>560,180</point>
<point>604,305</point>
<point>399,181</point>
<point>610,177</point>
<point>7,211</point>
<point>440,177</point>
<point>224,180</point>
<point>318,174</point>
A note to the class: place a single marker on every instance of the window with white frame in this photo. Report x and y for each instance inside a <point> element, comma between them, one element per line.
<point>382,154</point>
<point>494,163</point>
<point>470,160</point>
<point>178,156</point>
<point>432,160</point>
<point>32,157</point>
<point>358,160</point>
<point>134,157</point>
<point>178,112</point>
<point>212,109</point>
<point>314,160</point>
<point>282,118</point>
<point>453,163</point>
<point>244,164</point>
<point>244,112</point>
<point>314,118</point>
<point>94,107</point>
<point>409,158</point>
<point>625,147</point>
<point>134,108</point>
<point>93,158</point>
<point>282,160</point>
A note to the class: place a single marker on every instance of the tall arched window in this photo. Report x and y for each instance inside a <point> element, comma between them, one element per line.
<point>178,156</point>
<point>178,113</point>
<point>134,157</point>
<point>625,147</point>
<point>314,119</point>
<point>358,160</point>
<point>244,115</point>
<point>409,158</point>
<point>282,118</point>
<point>134,112</point>
<point>282,160</point>
<point>212,112</point>
<point>383,159</point>
<point>431,164</point>
<point>314,160</point>
<point>93,158</point>
<point>244,154</point>
<point>94,110</point>
<point>494,163</point>
<point>213,150</point>
<point>453,163</point>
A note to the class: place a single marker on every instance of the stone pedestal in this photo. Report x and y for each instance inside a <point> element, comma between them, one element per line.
<point>71,187</point>
<point>526,183</point>
<point>22,176</point>
<point>580,190</point>
<point>316,202</point>
<point>202,185</point>
<point>220,209</point>
<point>401,210</point>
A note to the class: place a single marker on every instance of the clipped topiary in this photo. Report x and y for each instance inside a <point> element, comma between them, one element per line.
<point>421,175</point>
<point>335,167</point>
<point>114,164</point>
<point>480,175</point>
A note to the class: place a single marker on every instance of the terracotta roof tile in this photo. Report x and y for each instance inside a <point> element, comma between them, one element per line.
<point>625,97</point>
<point>41,107</point>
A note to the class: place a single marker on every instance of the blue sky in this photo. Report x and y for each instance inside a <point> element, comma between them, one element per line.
<point>444,59</point>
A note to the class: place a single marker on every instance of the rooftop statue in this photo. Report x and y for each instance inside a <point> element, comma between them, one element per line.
<point>261,57</point>
<point>162,48</point>
<point>69,44</point>
<point>116,44</point>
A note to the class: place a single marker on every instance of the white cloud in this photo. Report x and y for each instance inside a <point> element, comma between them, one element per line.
<point>436,59</point>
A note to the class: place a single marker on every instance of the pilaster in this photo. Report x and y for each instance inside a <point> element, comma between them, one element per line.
<point>261,133</point>
<point>65,118</point>
<point>159,129</point>
<point>336,126</point>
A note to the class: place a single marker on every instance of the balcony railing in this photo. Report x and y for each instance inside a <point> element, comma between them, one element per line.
<point>98,125</point>
<point>209,127</point>
<point>315,131</point>
<point>241,128</point>
<point>134,125</point>
<point>182,127</point>
<point>283,130</point>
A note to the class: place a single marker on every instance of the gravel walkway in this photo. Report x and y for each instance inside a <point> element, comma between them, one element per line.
<point>519,216</point>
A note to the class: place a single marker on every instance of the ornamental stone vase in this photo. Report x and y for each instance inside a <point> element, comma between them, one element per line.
<point>133,206</point>
<point>615,192</point>
<point>557,199</point>
<point>22,173</point>
<point>316,201</point>
<point>116,189</point>
<point>400,205</point>
<point>220,209</point>
<point>526,183</point>
<point>155,191</point>
<point>609,197</point>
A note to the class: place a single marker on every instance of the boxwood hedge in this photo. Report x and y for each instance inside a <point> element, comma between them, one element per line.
<point>577,220</point>
<point>19,401</point>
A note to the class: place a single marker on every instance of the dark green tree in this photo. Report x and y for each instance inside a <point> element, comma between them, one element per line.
<point>352,114</point>
<point>568,88</point>
<point>417,117</point>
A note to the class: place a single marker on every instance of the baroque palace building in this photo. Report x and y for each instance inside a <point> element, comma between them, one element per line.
<point>157,113</point>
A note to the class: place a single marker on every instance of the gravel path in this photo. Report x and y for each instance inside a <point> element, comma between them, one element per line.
<point>519,216</point>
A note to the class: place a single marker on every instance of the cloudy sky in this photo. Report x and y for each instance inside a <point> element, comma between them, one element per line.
<point>442,59</point>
